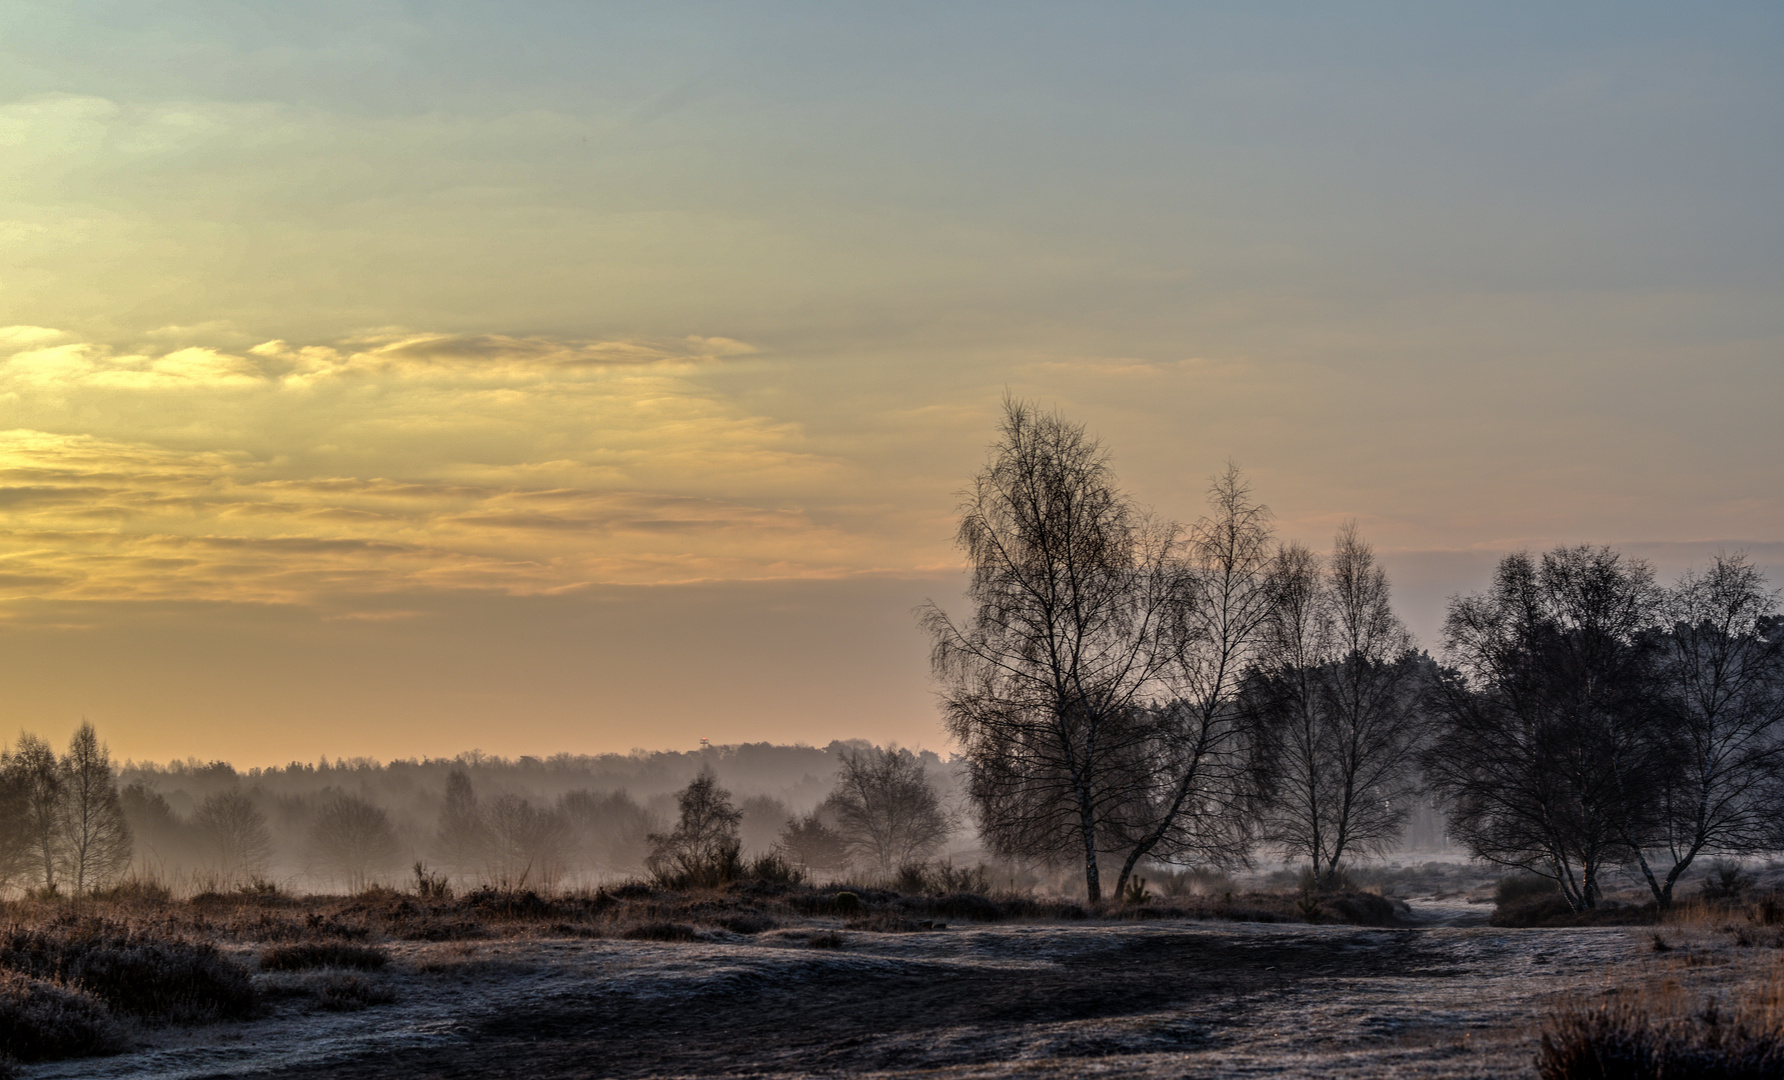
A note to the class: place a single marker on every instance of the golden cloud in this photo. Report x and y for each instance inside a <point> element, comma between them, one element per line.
<point>286,474</point>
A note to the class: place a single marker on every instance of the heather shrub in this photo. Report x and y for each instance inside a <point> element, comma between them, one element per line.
<point>132,971</point>
<point>42,1020</point>
<point>318,954</point>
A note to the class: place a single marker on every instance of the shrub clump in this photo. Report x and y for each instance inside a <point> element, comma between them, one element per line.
<point>132,971</point>
<point>1517,890</point>
<point>42,1020</point>
<point>1621,1040</point>
<point>323,954</point>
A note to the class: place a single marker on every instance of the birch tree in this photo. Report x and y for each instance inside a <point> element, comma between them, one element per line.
<point>1045,682</point>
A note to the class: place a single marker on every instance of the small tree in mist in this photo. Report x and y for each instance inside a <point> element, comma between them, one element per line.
<point>809,842</point>
<point>234,834</point>
<point>1336,691</point>
<point>94,843</point>
<point>529,843</point>
<point>36,779</point>
<point>351,840</point>
<point>609,831</point>
<point>15,839</point>
<point>462,842</point>
<point>703,848</point>
<point>887,812</point>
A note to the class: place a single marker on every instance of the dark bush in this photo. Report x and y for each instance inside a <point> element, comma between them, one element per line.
<point>1622,1041</point>
<point>747,922</point>
<point>323,954</point>
<point>132,971</point>
<point>774,869</point>
<point>1555,912</point>
<point>1516,890</point>
<point>829,939</point>
<point>963,905</point>
<point>1727,881</point>
<point>1362,909</point>
<point>508,903</point>
<point>662,931</point>
<point>348,993</point>
<point>46,1021</point>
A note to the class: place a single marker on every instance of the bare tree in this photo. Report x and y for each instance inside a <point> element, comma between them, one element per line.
<point>36,778</point>
<point>236,839</point>
<point>1721,664</point>
<point>1044,683</point>
<point>95,841</point>
<point>703,847</point>
<point>1544,752</point>
<point>887,812</point>
<point>1198,783</point>
<point>351,840</point>
<point>1339,690</point>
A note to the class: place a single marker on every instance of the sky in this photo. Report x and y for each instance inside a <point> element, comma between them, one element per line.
<point>398,379</point>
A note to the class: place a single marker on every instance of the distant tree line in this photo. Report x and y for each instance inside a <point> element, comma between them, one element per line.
<point>1126,690</point>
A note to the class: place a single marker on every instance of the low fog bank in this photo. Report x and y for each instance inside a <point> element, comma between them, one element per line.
<point>586,818</point>
<point>559,822</point>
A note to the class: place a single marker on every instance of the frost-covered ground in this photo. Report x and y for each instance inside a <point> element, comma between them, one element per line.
<point>1444,999</point>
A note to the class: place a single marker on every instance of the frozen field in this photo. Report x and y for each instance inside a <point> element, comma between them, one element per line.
<point>1178,999</point>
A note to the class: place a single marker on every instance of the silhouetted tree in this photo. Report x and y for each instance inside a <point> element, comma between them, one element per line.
<point>234,834</point>
<point>887,812</point>
<point>1545,750</point>
<point>1044,682</point>
<point>1195,787</point>
<point>1337,693</point>
<point>351,840</point>
<point>94,844</point>
<point>1721,667</point>
<point>703,847</point>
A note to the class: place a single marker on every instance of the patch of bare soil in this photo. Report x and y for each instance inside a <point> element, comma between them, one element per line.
<point>1023,1000</point>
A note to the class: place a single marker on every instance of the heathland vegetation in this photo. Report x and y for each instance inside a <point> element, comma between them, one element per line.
<point>1144,713</point>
